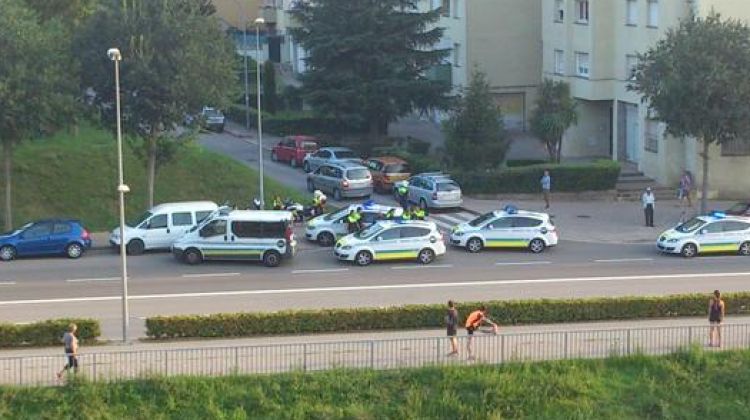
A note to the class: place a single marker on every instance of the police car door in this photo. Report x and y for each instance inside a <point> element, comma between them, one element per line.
<point>213,239</point>
<point>526,228</point>
<point>340,226</point>
<point>499,233</point>
<point>712,238</point>
<point>386,244</point>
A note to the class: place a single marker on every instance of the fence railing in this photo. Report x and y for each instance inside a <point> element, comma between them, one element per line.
<point>371,354</point>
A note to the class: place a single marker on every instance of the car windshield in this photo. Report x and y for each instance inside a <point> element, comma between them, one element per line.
<point>738,208</point>
<point>447,186</point>
<point>397,168</point>
<point>212,113</point>
<point>690,226</point>
<point>308,145</point>
<point>138,221</point>
<point>481,219</point>
<point>17,230</point>
<point>336,215</point>
<point>355,174</point>
<point>345,154</point>
<point>368,232</point>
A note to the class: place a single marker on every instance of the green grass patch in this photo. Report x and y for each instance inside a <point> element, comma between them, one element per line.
<point>75,176</point>
<point>687,385</point>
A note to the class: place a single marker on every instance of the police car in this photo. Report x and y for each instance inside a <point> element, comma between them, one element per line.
<point>507,228</point>
<point>388,240</point>
<point>713,233</point>
<point>325,229</point>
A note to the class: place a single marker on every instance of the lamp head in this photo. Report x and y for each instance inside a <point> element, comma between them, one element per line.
<point>114,54</point>
<point>260,21</point>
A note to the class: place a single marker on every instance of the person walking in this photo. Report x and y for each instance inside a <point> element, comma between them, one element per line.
<point>648,200</point>
<point>451,324</point>
<point>686,187</point>
<point>715,317</point>
<point>70,343</point>
<point>473,322</point>
<point>546,182</point>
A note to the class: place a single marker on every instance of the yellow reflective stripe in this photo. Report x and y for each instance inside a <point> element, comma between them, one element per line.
<point>506,243</point>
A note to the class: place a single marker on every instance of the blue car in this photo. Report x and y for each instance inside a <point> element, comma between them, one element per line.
<point>45,237</point>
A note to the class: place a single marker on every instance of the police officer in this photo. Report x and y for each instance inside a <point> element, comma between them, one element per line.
<point>351,221</point>
<point>390,214</point>
<point>403,195</point>
<point>359,218</point>
<point>406,215</point>
<point>277,203</point>
<point>419,213</point>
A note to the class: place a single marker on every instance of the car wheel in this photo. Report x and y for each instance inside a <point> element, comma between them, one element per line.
<point>310,185</point>
<point>274,157</point>
<point>271,259</point>
<point>7,253</point>
<point>325,239</point>
<point>192,256</point>
<point>537,245</point>
<point>745,249</point>
<point>293,163</point>
<point>74,250</point>
<point>337,194</point>
<point>689,251</point>
<point>306,167</point>
<point>474,245</point>
<point>423,204</point>
<point>363,258</point>
<point>426,256</point>
<point>135,247</point>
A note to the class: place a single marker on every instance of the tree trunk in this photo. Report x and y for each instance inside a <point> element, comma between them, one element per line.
<point>550,146</point>
<point>373,135</point>
<point>558,150</point>
<point>704,187</point>
<point>151,170</point>
<point>8,166</point>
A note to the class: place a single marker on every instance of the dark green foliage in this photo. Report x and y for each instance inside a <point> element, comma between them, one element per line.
<point>475,136</point>
<point>515,163</point>
<point>291,122</point>
<point>47,333</point>
<point>540,311</point>
<point>555,112</point>
<point>270,97</point>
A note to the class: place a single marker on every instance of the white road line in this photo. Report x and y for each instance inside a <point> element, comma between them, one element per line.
<point>524,263</point>
<point>374,287</point>
<point>449,218</point>
<point>7,283</point>
<point>624,260</point>
<point>415,267</point>
<point>321,270</point>
<point>195,276</point>
<point>94,279</point>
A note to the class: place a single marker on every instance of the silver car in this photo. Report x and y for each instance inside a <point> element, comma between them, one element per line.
<point>342,180</point>
<point>434,190</point>
<point>329,155</point>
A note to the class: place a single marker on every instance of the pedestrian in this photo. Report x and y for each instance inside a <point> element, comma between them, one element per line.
<point>473,322</point>
<point>277,203</point>
<point>715,317</point>
<point>70,343</point>
<point>351,221</point>
<point>451,323</point>
<point>686,187</point>
<point>546,182</point>
<point>403,195</point>
<point>418,213</point>
<point>648,201</point>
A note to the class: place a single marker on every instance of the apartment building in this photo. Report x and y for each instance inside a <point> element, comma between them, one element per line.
<point>592,45</point>
<point>238,15</point>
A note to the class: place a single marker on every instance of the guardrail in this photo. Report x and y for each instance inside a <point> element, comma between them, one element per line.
<point>370,354</point>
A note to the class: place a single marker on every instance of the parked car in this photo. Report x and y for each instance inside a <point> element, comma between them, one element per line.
<point>388,240</point>
<point>294,149</point>
<point>507,228</point>
<point>434,190</point>
<point>387,170</point>
<point>329,155</point>
<point>341,179</point>
<point>740,209</point>
<point>212,119</point>
<point>45,237</point>
<point>159,227</point>
<point>326,228</point>
<point>714,233</point>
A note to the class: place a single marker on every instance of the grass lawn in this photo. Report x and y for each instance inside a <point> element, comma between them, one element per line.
<point>75,176</point>
<point>687,385</point>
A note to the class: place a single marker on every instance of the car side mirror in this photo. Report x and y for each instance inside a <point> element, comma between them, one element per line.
<point>702,232</point>
<point>379,238</point>
<point>490,227</point>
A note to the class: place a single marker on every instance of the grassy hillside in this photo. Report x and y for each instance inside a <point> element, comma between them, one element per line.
<point>75,176</point>
<point>689,385</point>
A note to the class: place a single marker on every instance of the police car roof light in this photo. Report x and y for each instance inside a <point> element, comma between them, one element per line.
<point>368,204</point>
<point>718,214</point>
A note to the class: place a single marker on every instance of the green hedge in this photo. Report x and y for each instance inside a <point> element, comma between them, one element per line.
<point>515,163</point>
<point>595,176</point>
<point>542,311</point>
<point>47,333</point>
<point>292,122</point>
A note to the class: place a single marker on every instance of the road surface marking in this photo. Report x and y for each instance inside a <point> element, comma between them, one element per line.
<point>624,260</point>
<point>195,276</point>
<point>7,283</point>
<point>524,263</point>
<point>453,220</point>
<point>321,270</point>
<point>415,267</point>
<point>374,287</point>
<point>94,279</point>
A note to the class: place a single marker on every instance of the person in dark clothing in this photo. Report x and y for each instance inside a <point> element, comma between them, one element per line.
<point>715,317</point>
<point>451,323</point>
<point>70,342</point>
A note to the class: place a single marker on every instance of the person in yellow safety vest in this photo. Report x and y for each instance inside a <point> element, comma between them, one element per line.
<point>390,214</point>
<point>277,203</point>
<point>403,196</point>
<point>406,215</point>
<point>418,213</point>
<point>353,221</point>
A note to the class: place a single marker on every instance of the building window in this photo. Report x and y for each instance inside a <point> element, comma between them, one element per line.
<point>559,62</point>
<point>736,147</point>
<point>445,8</point>
<point>631,66</point>
<point>457,55</point>
<point>582,10</point>
<point>653,13</point>
<point>631,12</point>
<point>559,10</point>
<point>582,64</point>
<point>652,136</point>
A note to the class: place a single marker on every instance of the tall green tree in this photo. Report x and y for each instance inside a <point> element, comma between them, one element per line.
<point>175,59</point>
<point>475,134</point>
<point>270,96</point>
<point>367,59</point>
<point>696,81</point>
<point>555,112</point>
<point>72,13</point>
<point>36,82</point>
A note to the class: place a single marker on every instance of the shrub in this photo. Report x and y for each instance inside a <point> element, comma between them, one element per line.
<point>524,162</point>
<point>46,333</point>
<point>431,316</point>
<point>292,122</point>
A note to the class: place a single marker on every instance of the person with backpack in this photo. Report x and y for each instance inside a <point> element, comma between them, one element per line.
<point>451,324</point>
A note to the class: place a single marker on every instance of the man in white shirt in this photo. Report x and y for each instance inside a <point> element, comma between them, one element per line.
<point>648,200</point>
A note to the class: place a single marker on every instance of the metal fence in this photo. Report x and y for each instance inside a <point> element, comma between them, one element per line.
<point>371,354</point>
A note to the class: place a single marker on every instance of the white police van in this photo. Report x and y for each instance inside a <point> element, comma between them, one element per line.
<point>326,228</point>
<point>239,235</point>
<point>389,240</point>
<point>507,228</point>
<point>713,233</point>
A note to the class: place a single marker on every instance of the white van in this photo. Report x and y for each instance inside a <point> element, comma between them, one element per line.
<point>239,235</point>
<point>159,227</point>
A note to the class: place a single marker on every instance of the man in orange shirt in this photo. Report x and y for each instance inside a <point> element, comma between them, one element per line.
<point>473,322</point>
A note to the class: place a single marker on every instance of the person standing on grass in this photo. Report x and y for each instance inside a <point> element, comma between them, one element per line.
<point>70,342</point>
<point>546,183</point>
<point>715,317</point>
<point>648,200</point>
<point>451,323</point>
<point>473,322</point>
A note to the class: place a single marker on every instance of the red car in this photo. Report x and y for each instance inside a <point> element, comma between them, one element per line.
<point>293,149</point>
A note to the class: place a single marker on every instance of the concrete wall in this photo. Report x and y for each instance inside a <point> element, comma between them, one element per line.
<point>590,137</point>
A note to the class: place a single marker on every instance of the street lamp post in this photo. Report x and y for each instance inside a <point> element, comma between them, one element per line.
<point>114,55</point>
<point>244,55</point>
<point>258,22</point>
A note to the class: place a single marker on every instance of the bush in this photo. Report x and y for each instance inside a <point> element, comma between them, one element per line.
<point>46,333</point>
<point>291,122</point>
<point>524,162</point>
<point>596,176</point>
<point>431,316</point>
